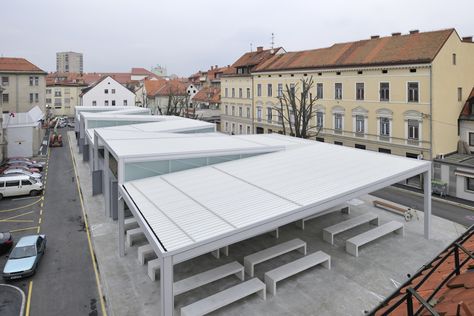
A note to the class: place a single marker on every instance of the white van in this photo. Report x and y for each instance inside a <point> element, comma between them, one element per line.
<point>19,185</point>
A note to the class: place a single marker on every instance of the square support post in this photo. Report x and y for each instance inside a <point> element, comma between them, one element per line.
<point>427,203</point>
<point>121,226</point>
<point>166,286</point>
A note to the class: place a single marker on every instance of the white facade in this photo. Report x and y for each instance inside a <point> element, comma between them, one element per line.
<point>108,92</point>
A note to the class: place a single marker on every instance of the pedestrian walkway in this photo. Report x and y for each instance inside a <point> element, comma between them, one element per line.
<point>12,300</point>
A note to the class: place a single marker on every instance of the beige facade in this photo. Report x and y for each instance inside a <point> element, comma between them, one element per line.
<point>62,99</point>
<point>237,104</point>
<point>22,91</point>
<point>69,62</point>
<point>417,117</point>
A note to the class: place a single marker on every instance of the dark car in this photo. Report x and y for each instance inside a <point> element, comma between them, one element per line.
<point>6,242</point>
<point>25,257</point>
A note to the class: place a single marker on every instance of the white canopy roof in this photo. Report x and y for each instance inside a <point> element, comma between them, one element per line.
<point>196,211</point>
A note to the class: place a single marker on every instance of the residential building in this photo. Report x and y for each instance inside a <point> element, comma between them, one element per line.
<point>206,104</point>
<point>237,92</point>
<point>211,77</point>
<point>107,92</point>
<point>400,94</point>
<point>138,74</point>
<point>69,62</point>
<point>160,95</point>
<point>63,93</point>
<point>23,85</point>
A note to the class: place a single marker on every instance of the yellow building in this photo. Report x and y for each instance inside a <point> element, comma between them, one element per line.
<point>63,94</point>
<point>237,95</point>
<point>400,94</point>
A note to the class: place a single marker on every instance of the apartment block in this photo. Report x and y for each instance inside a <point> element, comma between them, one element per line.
<point>237,94</point>
<point>69,62</point>
<point>23,85</point>
<point>63,94</point>
<point>400,94</point>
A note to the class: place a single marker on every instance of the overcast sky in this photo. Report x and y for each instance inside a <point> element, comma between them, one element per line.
<point>186,36</point>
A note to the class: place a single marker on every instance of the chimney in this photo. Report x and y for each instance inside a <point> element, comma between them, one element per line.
<point>414,31</point>
<point>260,49</point>
<point>212,67</point>
<point>215,67</point>
<point>375,36</point>
<point>467,39</point>
<point>396,34</point>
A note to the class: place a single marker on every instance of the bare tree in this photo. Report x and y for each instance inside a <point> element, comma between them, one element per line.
<point>297,109</point>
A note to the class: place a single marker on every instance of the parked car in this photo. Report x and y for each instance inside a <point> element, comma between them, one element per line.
<point>13,159</point>
<point>6,242</point>
<point>24,258</point>
<point>13,185</point>
<point>19,166</point>
<point>28,164</point>
<point>35,175</point>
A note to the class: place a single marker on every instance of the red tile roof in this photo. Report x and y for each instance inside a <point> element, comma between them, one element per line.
<point>10,64</point>
<point>142,72</point>
<point>163,87</point>
<point>254,58</point>
<point>208,94</point>
<point>392,50</point>
<point>466,111</point>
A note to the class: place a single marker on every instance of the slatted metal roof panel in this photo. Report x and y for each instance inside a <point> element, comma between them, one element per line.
<point>205,203</point>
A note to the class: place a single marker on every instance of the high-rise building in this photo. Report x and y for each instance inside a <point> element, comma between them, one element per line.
<point>69,62</point>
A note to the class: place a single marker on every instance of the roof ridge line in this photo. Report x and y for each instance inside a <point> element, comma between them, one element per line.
<point>256,186</point>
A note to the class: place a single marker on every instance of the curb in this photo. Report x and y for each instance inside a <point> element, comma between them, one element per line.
<point>22,308</point>
<point>464,206</point>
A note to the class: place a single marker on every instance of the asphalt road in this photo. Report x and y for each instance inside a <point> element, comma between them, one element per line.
<point>451,212</point>
<point>65,282</point>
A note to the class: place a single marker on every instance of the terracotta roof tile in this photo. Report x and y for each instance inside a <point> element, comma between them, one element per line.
<point>163,87</point>
<point>255,58</point>
<point>10,64</point>
<point>208,94</point>
<point>402,49</point>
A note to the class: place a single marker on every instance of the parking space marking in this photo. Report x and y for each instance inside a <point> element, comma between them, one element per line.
<point>23,229</point>
<point>21,207</point>
<point>16,216</point>
<point>28,300</point>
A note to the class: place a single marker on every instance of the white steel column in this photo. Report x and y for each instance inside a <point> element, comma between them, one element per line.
<point>95,154</point>
<point>166,286</point>
<point>106,189</point>
<point>427,202</point>
<point>121,227</point>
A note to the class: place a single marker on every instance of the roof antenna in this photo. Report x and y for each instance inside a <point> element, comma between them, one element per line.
<point>272,43</point>
<point>251,47</point>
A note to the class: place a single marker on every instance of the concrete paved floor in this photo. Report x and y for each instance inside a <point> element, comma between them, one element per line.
<point>350,287</point>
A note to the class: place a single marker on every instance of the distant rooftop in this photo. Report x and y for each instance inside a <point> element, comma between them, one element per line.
<point>18,65</point>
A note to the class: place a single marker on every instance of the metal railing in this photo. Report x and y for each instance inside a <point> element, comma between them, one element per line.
<point>411,291</point>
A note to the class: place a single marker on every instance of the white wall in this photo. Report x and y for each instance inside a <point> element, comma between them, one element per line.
<point>20,141</point>
<point>466,127</point>
<point>461,190</point>
<point>98,94</point>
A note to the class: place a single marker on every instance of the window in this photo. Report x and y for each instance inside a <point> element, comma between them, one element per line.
<point>385,150</point>
<point>226,92</point>
<point>338,143</point>
<point>338,91</point>
<point>12,183</point>
<point>259,114</point>
<point>319,90</point>
<point>113,91</point>
<point>233,92</point>
<point>226,110</point>
<point>233,110</point>
<point>5,81</point>
<point>5,98</point>
<point>259,90</point>
<point>269,115</point>
<point>57,102</point>
<point>67,91</point>
<point>226,126</point>
<point>384,91</point>
<point>57,92</point>
<point>280,90</point>
<point>113,102</point>
<point>320,139</point>
<point>454,59</point>
<point>248,112</point>
<point>413,130</point>
<point>469,184</point>
<point>240,129</point>
<point>26,182</point>
<point>240,111</point>
<point>248,93</point>
<point>106,91</point>
<point>48,101</point>
<point>359,125</point>
<point>413,92</point>
<point>67,101</point>
<point>360,91</point>
<point>292,117</point>
<point>359,146</point>
<point>94,103</point>
<point>384,127</point>
<point>240,93</point>
<point>292,88</point>
<point>248,129</point>
<point>36,97</point>
<point>36,81</point>
<point>32,95</point>
<point>280,118</point>
<point>31,80</point>
<point>319,119</point>
<point>48,91</point>
<point>459,94</point>
<point>471,139</point>
<point>125,102</point>
<point>338,122</point>
<point>269,90</point>
<point>233,128</point>
<point>106,103</point>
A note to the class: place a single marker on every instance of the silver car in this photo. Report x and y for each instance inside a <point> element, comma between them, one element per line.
<point>34,175</point>
<point>25,257</point>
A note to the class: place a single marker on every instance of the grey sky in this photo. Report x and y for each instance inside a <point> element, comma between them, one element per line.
<point>186,36</point>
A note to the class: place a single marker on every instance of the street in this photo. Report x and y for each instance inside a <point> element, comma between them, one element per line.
<point>453,213</point>
<point>65,283</point>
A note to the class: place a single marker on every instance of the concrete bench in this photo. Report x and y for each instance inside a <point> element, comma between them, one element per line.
<point>398,209</point>
<point>226,297</point>
<point>251,260</point>
<point>294,267</point>
<point>353,244</point>
<point>217,253</point>
<point>130,223</point>
<point>342,208</point>
<point>329,232</point>
<point>134,235</point>
<point>153,268</point>
<point>208,276</point>
<point>145,253</point>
